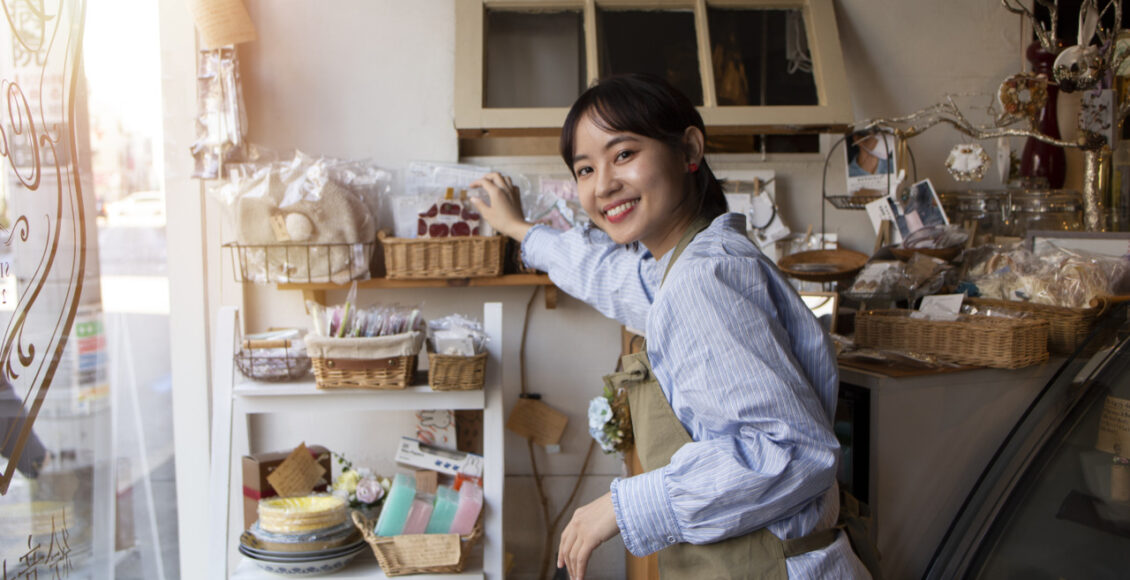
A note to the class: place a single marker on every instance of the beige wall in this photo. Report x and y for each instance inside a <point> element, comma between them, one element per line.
<point>374,79</point>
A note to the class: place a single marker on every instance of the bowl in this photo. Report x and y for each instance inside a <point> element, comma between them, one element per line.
<point>822,265</point>
<point>945,254</point>
<point>305,567</point>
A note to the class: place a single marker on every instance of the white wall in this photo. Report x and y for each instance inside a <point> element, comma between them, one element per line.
<point>374,79</point>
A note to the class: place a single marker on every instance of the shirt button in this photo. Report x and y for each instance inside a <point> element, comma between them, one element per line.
<point>670,539</point>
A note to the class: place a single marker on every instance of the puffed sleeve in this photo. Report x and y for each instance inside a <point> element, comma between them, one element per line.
<point>589,266</point>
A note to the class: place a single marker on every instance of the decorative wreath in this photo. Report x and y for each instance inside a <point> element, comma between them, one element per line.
<point>1024,94</point>
<point>968,162</point>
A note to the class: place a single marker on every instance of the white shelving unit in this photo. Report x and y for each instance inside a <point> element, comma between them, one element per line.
<point>235,398</point>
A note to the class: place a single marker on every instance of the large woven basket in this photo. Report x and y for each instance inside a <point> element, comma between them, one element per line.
<point>1067,327</point>
<point>988,341</point>
<point>412,554</point>
<point>382,362</point>
<point>456,373</point>
<point>461,257</point>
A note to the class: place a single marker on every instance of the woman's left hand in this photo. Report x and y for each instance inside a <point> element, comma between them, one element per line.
<point>591,525</point>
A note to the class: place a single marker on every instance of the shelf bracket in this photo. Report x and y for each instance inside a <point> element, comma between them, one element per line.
<point>550,297</point>
<point>317,296</point>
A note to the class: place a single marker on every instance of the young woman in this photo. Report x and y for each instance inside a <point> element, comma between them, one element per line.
<point>733,398</point>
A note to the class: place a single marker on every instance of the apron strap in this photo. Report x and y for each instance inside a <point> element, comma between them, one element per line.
<point>700,223</point>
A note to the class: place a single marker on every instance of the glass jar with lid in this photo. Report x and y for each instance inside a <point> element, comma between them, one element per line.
<point>989,209</point>
<point>1054,210</point>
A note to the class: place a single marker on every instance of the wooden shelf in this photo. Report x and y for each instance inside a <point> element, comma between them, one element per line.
<point>316,291</point>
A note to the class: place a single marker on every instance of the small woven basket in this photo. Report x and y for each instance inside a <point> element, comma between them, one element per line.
<point>430,258</point>
<point>382,362</point>
<point>417,553</point>
<point>1067,327</point>
<point>988,341</point>
<point>456,373</point>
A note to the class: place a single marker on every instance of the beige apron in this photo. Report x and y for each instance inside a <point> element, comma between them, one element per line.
<point>658,435</point>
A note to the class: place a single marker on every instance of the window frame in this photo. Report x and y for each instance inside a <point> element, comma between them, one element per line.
<point>833,114</point>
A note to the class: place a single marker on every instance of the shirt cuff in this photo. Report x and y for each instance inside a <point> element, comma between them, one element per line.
<point>643,513</point>
<point>537,237</point>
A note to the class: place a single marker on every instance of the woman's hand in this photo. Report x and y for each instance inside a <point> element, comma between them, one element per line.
<point>591,525</point>
<point>504,213</point>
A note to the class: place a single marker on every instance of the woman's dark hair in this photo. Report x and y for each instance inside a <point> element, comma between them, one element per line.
<point>649,106</point>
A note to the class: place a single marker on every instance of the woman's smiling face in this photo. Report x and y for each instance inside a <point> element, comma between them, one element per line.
<point>631,186</point>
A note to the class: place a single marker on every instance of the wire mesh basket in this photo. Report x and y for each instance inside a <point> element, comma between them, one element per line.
<point>282,263</point>
<point>272,360</point>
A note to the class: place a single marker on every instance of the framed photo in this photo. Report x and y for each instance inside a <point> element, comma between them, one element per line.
<point>824,305</point>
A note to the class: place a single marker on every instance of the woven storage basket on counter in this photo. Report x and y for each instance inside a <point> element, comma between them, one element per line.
<point>1067,327</point>
<point>379,362</point>
<point>456,373</point>
<point>459,257</point>
<point>988,341</point>
<point>410,554</point>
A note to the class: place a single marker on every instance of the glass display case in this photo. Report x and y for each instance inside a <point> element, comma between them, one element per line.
<point>1055,500</point>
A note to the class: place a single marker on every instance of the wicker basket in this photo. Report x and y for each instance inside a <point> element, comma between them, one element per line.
<point>456,373</point>
<point>1067,327</point>
<point>973,340</point>
<point>462,257</point>
<point>412,554</point>
<point>382,362</point>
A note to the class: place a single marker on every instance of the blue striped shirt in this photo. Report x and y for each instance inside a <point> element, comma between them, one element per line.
<point>747,370</point>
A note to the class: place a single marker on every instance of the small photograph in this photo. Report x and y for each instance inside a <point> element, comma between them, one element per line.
<point>871,164</point>
<point>923,208</point>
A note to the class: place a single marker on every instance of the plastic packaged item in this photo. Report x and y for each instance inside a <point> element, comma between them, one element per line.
<point>446,503</point>
<point>457,335</point>
<point>303,220</point>
<point>449,217</point>
<point>420,514</point>
<point>470,504</point>
<point>397,505</point>
<point>300,514</point>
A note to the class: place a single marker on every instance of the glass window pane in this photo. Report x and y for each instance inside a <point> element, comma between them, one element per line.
<point>533,59</point>
<point>661,43</point>
<point>761,57</point>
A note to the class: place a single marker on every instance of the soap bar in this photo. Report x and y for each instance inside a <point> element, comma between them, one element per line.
<point>470,504</point>
<point>420,514</point>
<point>447,501</point>
<point>397,505</point>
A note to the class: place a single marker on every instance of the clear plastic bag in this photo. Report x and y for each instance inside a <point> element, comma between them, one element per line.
<point>1054,277</point>
<point>306,219</point>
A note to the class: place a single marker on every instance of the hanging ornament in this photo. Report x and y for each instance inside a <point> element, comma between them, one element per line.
<point>1081,67</point>
<point>968,162</point>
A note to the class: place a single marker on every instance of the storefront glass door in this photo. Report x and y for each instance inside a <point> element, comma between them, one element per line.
<point>86,469</point>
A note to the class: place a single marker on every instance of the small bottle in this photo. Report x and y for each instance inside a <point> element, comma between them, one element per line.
<point>420,514</point>
<point>396,506</point>
<point>447,502</point>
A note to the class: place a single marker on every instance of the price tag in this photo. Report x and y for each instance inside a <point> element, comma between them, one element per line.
<point>537,422</point>
<point>278,226</point>
<point>297,474</point>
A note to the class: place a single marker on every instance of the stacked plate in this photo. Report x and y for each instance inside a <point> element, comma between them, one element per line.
<point>304,563</point>
<point>308,554</point>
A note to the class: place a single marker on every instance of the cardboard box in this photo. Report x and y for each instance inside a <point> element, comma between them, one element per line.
<point>256,468</point>
<point>447,461</point>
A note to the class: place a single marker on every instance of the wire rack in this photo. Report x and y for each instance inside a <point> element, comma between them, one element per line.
<point>338,263</point>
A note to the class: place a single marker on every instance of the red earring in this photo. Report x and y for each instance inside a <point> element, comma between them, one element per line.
<point>693,167</point>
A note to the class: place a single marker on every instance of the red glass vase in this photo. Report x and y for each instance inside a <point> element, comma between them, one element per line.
<point>1041,160</point>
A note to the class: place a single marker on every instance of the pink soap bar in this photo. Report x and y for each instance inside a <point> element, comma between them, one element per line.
<point>470,504</point>
<point>419,515</point>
